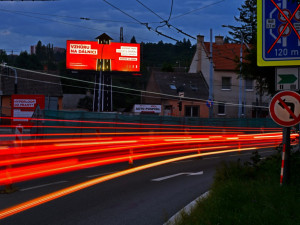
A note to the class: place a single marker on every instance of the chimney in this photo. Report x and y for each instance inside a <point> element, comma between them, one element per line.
<point>219,40</point>
<point>200,43</point>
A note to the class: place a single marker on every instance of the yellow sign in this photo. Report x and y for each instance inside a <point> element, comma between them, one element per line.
<point>278,38</point>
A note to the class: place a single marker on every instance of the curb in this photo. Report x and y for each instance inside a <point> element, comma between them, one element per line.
<point>187,209</point>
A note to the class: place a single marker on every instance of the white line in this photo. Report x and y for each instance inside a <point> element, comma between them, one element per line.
<point>167,177</point>
<point>196,174</point>
<point>178,174</point>
<point>101,174</point>
<point>43,185</point>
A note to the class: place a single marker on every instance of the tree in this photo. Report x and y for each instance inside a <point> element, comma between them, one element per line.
<point>26,61</point>
<point>133,40</point>
<point>248,24</point>
<point>246,33</point>
<point>3,56</point>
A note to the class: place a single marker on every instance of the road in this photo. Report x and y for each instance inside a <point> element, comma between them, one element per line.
<point>147,197</point>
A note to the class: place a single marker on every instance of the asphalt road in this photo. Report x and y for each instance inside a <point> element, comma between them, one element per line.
<point>148,197</point>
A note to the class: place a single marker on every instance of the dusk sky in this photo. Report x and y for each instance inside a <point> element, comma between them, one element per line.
<point>25,23</point>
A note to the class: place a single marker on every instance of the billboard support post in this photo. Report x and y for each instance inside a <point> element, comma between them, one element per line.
<point>99,91</point>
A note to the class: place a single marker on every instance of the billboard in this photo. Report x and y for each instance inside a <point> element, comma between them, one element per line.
<point>90,55</point>
<point>23,106</point>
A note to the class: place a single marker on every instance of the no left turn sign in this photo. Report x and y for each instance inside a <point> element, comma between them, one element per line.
<point>285,108</point>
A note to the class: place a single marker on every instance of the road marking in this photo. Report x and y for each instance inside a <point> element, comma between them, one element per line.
<point>101,174</point>
<point>178,174</point>
<point>196,174</point>
<point>43,185</point>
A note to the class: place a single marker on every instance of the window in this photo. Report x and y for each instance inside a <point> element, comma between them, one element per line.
<point>226,83</point>
<point>221,108</point>
<point>191,111</point>
<point>194,87</point>
<point>249,84</point>
<point>173,87</point>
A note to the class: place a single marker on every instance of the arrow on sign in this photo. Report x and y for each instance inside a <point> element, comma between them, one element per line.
<point>289,104</point>
<point>287,78</point>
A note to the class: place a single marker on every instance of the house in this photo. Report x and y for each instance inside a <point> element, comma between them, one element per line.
<point>24,82</point>
<point>226,84</point>
<point>178,93</point>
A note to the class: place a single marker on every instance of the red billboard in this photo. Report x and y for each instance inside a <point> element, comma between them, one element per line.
<point>23,107</point>
<point>90,55</point>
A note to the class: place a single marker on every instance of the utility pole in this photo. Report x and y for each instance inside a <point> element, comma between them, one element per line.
<point>211,81</point>
<point>240,79</point>
<point>121,35</point>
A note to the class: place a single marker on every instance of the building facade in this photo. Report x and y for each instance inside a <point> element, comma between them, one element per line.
<point>228,89</point>
<point>179,94</point>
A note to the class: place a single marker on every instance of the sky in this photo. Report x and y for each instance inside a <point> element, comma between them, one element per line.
<point>24,23</point>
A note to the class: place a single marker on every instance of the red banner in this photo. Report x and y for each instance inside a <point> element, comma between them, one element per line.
<point>89,55</point>
<point>23,106</point>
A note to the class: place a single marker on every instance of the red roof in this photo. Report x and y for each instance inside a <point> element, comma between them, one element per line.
<point>225,56</point>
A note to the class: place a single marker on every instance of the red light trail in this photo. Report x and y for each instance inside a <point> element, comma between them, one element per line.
<point>38,155</point>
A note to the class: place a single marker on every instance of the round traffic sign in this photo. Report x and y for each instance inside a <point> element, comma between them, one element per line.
<point>286,12</point>
<point>286,32</point>
<point>285,108</point>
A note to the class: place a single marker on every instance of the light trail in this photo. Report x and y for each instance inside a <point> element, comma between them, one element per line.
<point>30,158</point>
<point>57,194</point>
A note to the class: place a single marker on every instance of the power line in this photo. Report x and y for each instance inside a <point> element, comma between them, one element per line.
<point>57,21</point>
<point>166,22</point>
<point>192,11</point>
<point>150,9</point>
<point>171,10</point>
<point>64,16</point>
<point>144,24</point>
<point>131,89</point>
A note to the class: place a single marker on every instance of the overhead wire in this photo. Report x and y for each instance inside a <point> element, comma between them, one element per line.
<point>192,11</point>
<point>142,23</point>
<point>130,89</point>
<point>62,22</point>
<point>165,22</point>
<point>64,16</point>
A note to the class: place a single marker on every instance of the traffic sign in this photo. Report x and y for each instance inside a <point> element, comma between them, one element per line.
<point>287,78</point>
<point>285,108</point>
<point>278,38</point>
<point>209,103</point>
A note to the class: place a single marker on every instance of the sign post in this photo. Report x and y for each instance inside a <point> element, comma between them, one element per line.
<point>285,111</point>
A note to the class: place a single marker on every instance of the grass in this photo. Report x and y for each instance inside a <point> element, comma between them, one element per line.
<point>250,194</point>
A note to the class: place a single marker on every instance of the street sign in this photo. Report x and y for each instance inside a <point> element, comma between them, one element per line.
<point>278,38</point>
<point>285,108</point>
<point>209,103</point>
<point>287,78</point>
<point>23,107</point>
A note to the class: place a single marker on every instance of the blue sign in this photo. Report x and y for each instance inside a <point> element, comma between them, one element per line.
<point>278,33</point>
<point>209,103</point>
